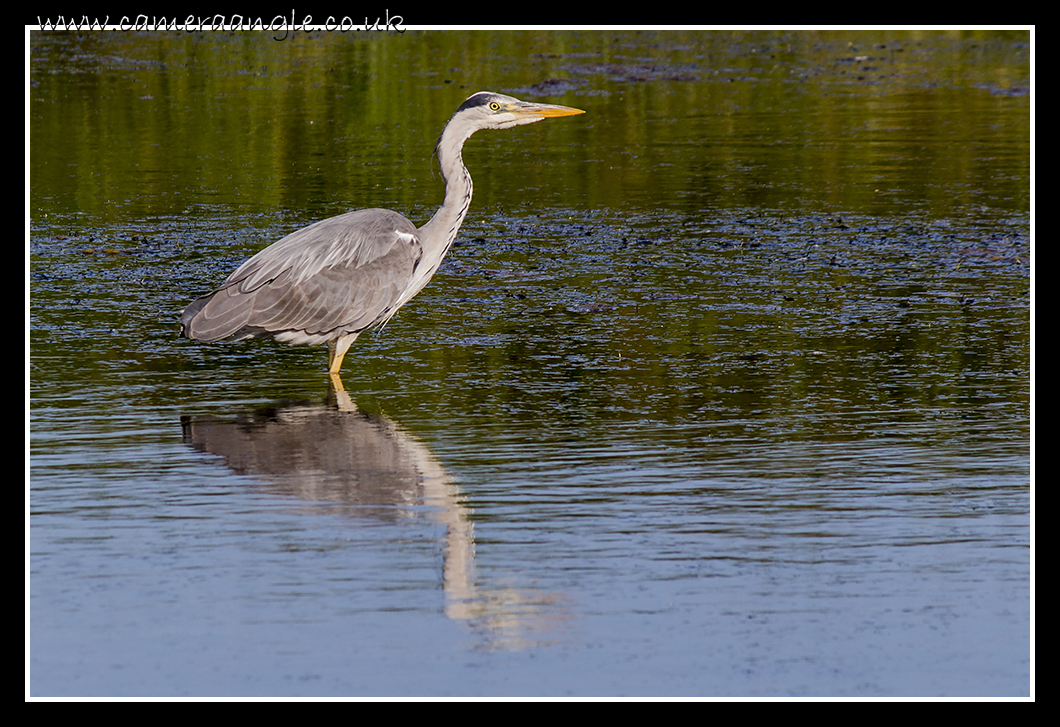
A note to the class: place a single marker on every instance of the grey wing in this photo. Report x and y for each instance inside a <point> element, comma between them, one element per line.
<point>340,275</point>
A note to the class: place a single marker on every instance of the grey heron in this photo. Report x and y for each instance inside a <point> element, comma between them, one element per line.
<point>328,282</point>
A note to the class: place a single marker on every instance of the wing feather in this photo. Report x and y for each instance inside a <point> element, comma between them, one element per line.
<point>340,275</point>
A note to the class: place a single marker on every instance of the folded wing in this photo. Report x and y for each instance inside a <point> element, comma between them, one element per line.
<point>338,276</point>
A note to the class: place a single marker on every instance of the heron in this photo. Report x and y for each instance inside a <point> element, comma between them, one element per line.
<point>331,281</point>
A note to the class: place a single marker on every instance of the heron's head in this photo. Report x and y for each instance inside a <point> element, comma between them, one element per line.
<point>487,110</point>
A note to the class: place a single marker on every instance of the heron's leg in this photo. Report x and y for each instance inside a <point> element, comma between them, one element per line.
<point>337,349</point>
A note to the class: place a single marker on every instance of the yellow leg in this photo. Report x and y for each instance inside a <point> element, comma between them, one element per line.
<point>337,349</point>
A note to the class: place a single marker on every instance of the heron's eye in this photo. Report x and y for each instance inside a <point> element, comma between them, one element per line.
<point>494,105</point>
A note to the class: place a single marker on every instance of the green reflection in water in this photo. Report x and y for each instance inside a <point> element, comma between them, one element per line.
<point>770,227</point>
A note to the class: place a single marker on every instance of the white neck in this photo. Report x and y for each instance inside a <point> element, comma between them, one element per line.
<point>438,234</point>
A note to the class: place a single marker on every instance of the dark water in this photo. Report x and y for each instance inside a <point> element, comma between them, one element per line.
<point>724,389</point>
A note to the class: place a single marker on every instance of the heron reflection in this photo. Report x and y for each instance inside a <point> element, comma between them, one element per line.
<point>344,461</point>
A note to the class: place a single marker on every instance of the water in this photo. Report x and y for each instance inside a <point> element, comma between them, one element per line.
<point>724,389</point>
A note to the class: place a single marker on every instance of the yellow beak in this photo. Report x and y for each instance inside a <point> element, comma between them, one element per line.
<point>543,111</point>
